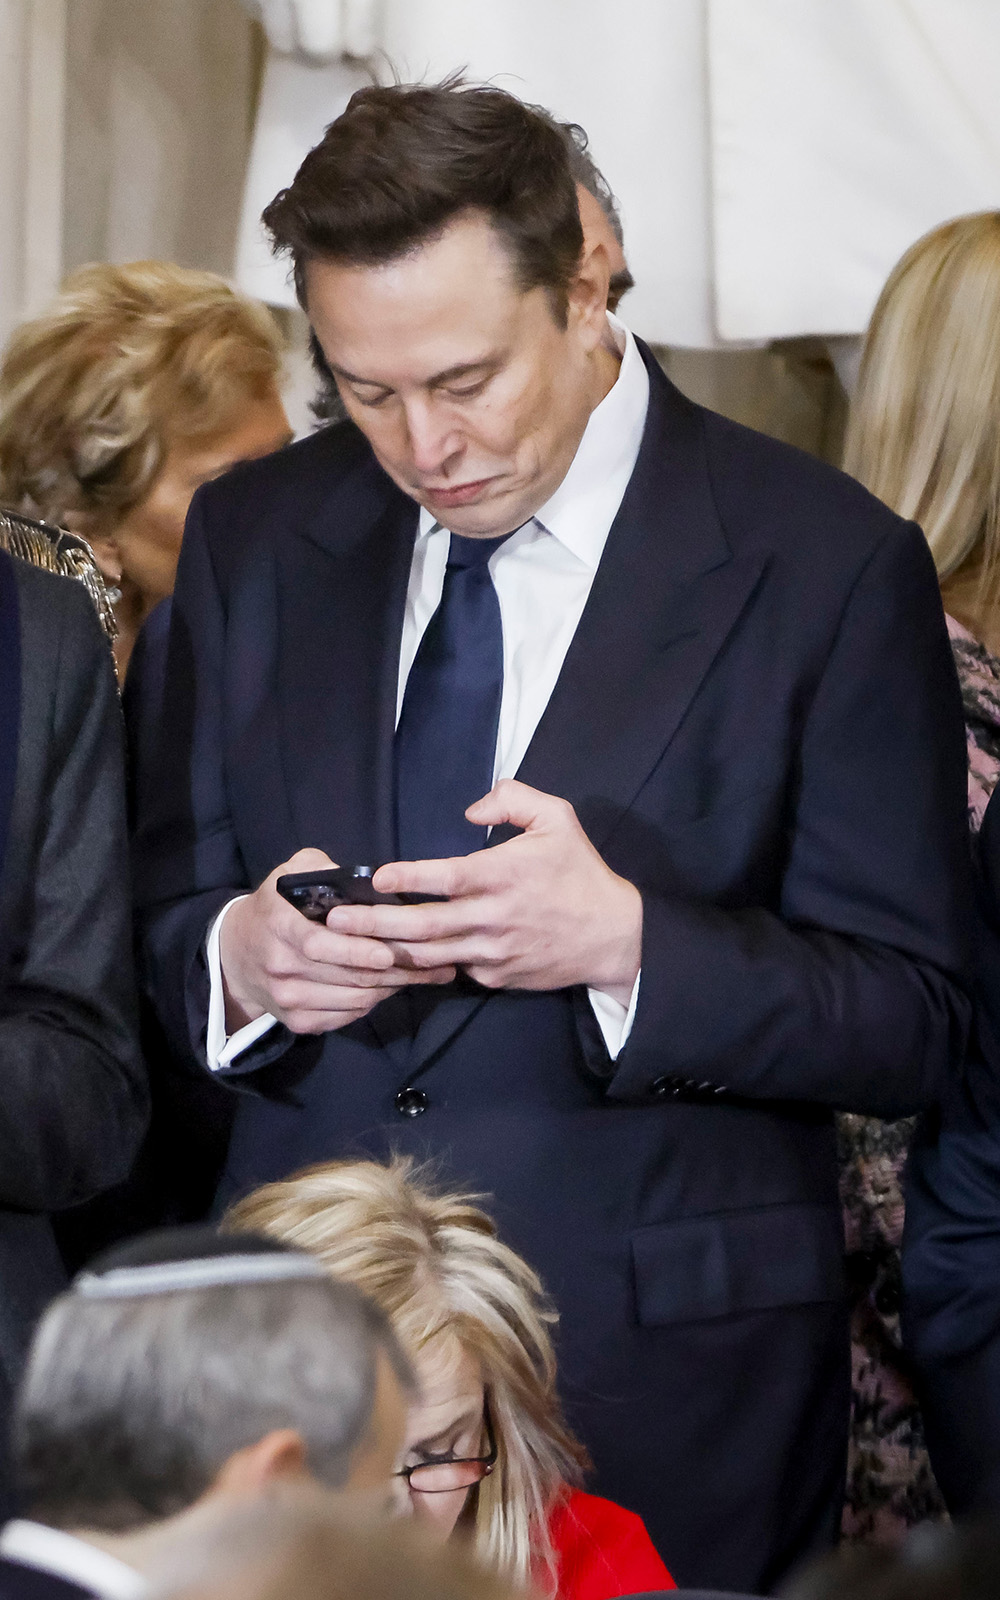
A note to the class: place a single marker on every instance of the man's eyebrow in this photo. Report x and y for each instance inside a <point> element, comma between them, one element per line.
<point>462,370</point>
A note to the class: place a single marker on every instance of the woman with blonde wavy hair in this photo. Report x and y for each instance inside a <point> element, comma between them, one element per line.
<point>924,435</point>
<point>138,384</point>
<point>488,1450</point>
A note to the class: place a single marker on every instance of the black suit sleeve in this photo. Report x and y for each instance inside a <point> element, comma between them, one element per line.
<point>850,993</point>
<point>74,1101</point>
<point>187,858</point>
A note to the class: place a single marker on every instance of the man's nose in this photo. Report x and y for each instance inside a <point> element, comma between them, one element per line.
<point>434,440</point>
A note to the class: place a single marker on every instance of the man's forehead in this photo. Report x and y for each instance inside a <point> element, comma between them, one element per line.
<point>421,318</point>
<point>464,260</point>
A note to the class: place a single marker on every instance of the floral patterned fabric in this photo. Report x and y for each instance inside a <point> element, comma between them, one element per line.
<point>979,676</point>
<point>890,1484</point>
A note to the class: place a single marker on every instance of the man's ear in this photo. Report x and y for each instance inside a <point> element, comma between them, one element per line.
<point>278,1457</point>
<point>588,293</point>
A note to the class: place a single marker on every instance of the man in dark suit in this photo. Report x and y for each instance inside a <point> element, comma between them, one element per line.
<point>722,897</point>
<point>73,1100</point>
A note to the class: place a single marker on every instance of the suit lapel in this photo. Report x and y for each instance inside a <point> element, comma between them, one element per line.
<point>342,600</point>
<point>666,594</point>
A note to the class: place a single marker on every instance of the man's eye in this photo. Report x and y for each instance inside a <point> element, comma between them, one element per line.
<point>371,400</point>
<point>468,390</point>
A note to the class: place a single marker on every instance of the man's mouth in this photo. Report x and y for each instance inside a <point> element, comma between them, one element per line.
<point>460,494</point>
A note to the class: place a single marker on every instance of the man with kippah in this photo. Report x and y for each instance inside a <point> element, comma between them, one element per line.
<point>181,1367</point>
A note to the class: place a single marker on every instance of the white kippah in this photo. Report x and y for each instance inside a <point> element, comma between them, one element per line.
<point>207,1272</point>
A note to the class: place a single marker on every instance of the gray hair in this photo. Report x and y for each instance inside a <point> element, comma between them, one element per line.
<point>130,1405</point>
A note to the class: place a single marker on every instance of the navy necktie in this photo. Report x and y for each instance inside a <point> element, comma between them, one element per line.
<point>447,735</point>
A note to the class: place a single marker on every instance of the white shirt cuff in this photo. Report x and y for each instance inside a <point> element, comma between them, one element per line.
<point>220,1049</point>
<point>615,1020</point>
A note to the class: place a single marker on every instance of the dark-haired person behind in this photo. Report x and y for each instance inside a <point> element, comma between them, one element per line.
<point>726,894</point>
<point>72,1087</point>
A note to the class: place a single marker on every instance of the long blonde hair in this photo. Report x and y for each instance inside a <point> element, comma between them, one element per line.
<point>924,427</point>
<point>126,360</point>
<point>432,1261</point>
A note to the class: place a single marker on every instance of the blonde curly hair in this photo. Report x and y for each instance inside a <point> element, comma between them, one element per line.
<point>126,360</point>
<point>433,1263</point>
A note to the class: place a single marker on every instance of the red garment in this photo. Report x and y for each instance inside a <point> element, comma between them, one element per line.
<point>603,1551</point>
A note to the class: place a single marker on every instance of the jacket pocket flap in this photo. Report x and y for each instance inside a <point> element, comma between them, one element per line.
<point>734,1262</point>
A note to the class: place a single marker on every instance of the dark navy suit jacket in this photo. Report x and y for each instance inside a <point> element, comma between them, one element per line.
<point>758,723</point>
<point>951,1256</point>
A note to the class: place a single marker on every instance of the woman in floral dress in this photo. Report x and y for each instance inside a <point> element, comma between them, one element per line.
<point>924,435</point>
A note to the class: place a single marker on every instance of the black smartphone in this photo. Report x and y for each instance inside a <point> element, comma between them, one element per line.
<point>316,893</point>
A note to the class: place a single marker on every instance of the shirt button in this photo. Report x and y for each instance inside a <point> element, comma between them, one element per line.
<point>411,1102</point>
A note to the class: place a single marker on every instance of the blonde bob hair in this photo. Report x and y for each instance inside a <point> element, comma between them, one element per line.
<point>125,361</point>
<point>433,1263</point>
<point>924,427</point>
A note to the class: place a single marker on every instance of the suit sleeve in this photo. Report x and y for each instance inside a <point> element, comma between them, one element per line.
<point>74,1100</point>
<point>850,993</point>
<point>188,863</point>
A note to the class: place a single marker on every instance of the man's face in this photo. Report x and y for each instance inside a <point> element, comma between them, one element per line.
<point>471,395</point>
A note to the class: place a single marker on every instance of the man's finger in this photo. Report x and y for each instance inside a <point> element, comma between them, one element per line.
<point>466,950</point>
<point>454,877</point>
<point>304,997</point>
<point>518,803</point>
<point>407,924</point>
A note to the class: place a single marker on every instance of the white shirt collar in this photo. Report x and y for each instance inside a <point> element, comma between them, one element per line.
<point>65,1556</point>
<point>583,507</point>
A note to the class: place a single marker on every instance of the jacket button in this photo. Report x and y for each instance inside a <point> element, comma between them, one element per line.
<point>411,1102</point>
<point>662,1087</point>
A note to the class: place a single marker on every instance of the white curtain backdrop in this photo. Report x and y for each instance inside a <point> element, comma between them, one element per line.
<point>773,157</point>
<point>842,130</point>
<point>32,107</point>
<point>632,74</point>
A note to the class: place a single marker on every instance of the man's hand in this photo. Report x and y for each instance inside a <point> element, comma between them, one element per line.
<point>311,978</point>
<point>542,911</point>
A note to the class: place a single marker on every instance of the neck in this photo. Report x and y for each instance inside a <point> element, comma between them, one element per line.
<point>140,1548</point>
<point>131,612</point>
<point>607,365</point>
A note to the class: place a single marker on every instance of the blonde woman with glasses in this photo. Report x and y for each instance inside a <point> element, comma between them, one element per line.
<point>488,1452</point>
<point>924,435</point>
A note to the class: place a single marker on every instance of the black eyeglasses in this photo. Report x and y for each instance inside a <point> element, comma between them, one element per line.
<point>442,1477</point>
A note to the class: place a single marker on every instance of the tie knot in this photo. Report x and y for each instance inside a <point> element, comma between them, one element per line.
<point>463,552</point>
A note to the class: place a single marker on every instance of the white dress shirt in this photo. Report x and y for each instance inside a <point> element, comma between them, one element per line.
<point>542,575</point>
<point>65,1556</point>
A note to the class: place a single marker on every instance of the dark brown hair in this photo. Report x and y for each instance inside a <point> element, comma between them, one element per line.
<point>405,160</point>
